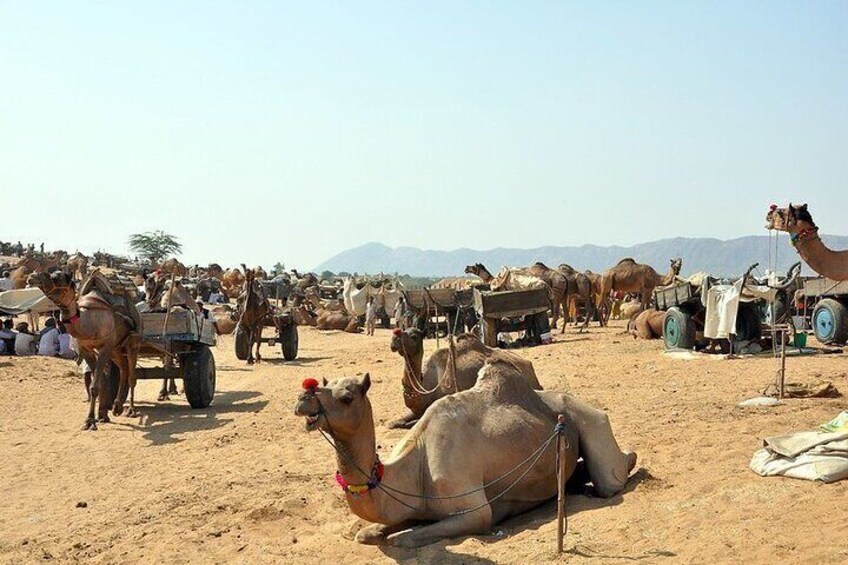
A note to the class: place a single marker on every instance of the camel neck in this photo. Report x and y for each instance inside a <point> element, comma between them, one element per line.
<point>413,380</point>
<point>824,261</point>
<point>358,452</point>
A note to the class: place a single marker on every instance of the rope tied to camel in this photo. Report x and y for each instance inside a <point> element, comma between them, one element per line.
<point>446,382</point>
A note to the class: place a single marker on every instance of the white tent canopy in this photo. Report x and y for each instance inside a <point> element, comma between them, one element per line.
<point>16,302</point>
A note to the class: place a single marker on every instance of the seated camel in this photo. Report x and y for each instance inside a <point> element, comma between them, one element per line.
<point>325,319</point>
<point>469,353</point>
<point>460,484</point>
<point>647,325</point>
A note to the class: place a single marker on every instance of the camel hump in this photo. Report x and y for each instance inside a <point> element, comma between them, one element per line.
<point>627,260</point>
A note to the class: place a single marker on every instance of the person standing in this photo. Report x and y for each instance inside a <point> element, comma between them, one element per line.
<point>400,313</point>
<point>370,316</point>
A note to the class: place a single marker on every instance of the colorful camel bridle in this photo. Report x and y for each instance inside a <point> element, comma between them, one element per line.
<point>311,388</point>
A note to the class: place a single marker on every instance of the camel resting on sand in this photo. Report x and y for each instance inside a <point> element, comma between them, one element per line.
<point>470,354</point>
<point>503,421</point>
<point>648,325</point>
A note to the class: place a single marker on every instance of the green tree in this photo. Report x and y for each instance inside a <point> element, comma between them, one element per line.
<point>278,269</point>
<point>155,246</point>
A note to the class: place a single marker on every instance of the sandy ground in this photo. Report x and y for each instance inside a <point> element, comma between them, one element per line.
<point>242,482</point>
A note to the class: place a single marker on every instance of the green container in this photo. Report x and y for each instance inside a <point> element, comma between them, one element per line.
<point>800,340</point>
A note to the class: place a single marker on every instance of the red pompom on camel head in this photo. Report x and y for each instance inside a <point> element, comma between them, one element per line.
<point>310,385</point>
<point>398,332</point>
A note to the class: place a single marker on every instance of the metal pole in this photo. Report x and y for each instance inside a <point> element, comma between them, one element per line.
<point>562,521</point>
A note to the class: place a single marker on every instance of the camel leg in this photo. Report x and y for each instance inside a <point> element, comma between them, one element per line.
<point>103,359</point>
<point>118,405</point>
<point>172,386</point>
<point>404,423</point>
<point>479,522</point>
<point>258,343</point>
<point>376,534</point>
<point>90,359</point>
<point>608,466</point>
<point>250,350</point>
<point>132,359</point>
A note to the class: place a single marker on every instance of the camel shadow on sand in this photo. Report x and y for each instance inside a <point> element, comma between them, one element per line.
<point>577,500</point>
<point>163,422</point>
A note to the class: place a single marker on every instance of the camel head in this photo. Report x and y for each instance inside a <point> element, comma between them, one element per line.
<point>791,219</point>
<point>55,285</point>
<point>337,407</point>
<point>474,269</point>
<point>409,341</point>
<point>676,265</point>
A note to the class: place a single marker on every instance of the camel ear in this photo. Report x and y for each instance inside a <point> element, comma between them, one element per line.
<point>365,383</point>
<point>324,381</point>
<point>802,206</point>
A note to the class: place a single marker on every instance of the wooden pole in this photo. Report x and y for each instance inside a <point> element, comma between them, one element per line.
<point>782,361</point>
<point>562,521</point>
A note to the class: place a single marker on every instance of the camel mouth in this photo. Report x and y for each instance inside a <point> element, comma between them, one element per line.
<point>312,422</point>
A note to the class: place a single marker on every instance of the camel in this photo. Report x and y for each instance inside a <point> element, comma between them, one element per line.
<point>648,325</point>
<point>253,308</point>
<point>324,319</point>
<point>469,356</point>
<point>77,265</point>
<point>460,484</point>
<point>627,310</point>
<point>804,235</point>
<point>334,320</point>
<point>480,271</point>
<point>232,281</point>
<point>173,267</point>
<point>558,285</point>
<point>630,276</point>
<point>19,276</point>
<point>107,328</point>
<point>580,289</point>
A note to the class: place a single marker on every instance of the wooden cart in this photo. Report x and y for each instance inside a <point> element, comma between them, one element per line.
<point>513,310</point>
<point>829,319</point>
<point>184,348</point>
<point>285,332</point>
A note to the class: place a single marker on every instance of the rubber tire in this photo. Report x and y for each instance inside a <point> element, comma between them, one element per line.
<point>288,342</point>
<point>748,324</point>
<point>830,321</point>
<point>678,329</point>
<point>199,376</point>
<point>242,346</point>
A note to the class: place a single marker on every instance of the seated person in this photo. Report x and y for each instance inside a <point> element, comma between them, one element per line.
<point>66,345</point>
<point>7,338</point>
<point>48,339</point>
<point>25,342</point>
<point>6,282</point>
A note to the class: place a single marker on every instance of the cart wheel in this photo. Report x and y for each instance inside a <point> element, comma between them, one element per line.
<point>288,342</point>
<point>678,329</point>
<point>199,376</point>
<point>830,321</point>
<point>242,346</point>
<point>748,325</point>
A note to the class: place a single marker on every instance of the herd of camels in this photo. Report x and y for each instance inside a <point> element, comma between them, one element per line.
<point>437,483</point>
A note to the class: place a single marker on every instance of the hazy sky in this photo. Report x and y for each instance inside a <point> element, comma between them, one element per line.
<point>265,131</point>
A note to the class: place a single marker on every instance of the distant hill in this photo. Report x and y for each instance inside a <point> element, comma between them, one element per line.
<point>716,256</point>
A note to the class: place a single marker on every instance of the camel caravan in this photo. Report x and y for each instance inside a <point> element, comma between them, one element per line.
<point>481,428</point>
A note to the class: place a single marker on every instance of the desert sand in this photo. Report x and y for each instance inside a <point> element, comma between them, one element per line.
<point>242,482</point>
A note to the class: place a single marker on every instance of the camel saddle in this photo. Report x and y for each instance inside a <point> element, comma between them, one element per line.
<point>102,292</point>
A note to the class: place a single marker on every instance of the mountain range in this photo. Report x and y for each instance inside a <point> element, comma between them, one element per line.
<point>718,257</point>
